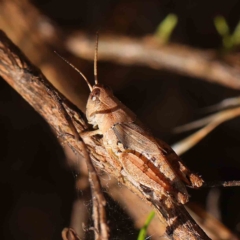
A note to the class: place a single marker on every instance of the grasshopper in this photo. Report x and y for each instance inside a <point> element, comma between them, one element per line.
<point>147,161</point>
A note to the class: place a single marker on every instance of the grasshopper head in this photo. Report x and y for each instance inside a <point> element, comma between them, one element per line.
<point>100,102</point>
<point>104,110</point>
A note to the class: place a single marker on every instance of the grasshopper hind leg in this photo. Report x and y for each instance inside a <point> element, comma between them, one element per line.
<point>188,177</point>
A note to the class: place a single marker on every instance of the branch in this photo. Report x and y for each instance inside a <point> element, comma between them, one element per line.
<point>208,124</point>
<point>99,216</point>
<point>184,60</point>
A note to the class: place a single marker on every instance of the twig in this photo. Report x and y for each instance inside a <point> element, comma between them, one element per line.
<point>99,202</point>
<point>69,234</point>
<point>99,215</point>
<point>188,61</point>
<point>226,103</point>
<point>45,99</point>
<point>211,123</point>
<point>213,227</point>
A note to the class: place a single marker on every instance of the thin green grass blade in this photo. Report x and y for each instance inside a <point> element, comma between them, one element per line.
<point>166,27</point>
<point>143,231</point>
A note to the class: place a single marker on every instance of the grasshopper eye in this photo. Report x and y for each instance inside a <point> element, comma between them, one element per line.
<point>95,94</point>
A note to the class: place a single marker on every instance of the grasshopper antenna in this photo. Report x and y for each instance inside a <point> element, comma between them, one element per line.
<point>96,59</point>
<point>221,184</point>
<point>76,69</point>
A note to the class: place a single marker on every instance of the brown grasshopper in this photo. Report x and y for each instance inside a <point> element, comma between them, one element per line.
<point>147,161</point>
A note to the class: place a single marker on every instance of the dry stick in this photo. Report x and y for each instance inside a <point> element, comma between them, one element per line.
<point>45,99</point>
<point>69,234</point>
<point>205,65</point>
<point>211,123</point>
<point>212,226</point>
<point>99,216</point>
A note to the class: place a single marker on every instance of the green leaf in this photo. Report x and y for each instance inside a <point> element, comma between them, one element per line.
<point>221,26</point>
<point>143,232</point>
<point>166,27</point>
<point>236,35</point>
<point>223,30</point>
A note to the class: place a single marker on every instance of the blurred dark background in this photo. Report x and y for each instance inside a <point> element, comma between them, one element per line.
<point>38,188</point>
